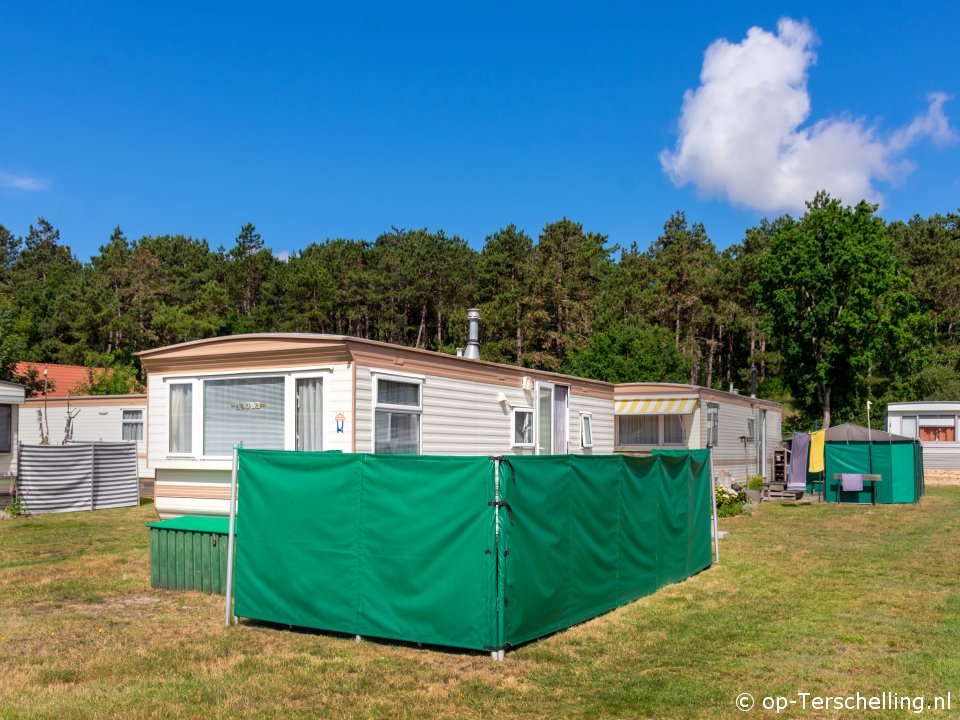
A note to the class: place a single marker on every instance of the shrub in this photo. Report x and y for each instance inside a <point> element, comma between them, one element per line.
<point>755,482</point>
<point>729,502</point>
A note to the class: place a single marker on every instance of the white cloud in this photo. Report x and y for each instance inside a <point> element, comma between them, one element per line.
<point>282,256</point>
<point>741,136</point>
<point>22,182</point>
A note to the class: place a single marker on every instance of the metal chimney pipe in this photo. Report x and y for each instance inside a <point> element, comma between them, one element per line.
<point>753,381</point>
<point>473,337</point>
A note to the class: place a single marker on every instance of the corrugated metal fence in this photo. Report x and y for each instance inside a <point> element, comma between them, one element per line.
<point>78,476</point>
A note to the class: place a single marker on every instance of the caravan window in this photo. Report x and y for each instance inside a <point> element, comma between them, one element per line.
<point>522,432</point>
<point>397,410</point>
<point>586,430</point>
<point>713,424</point>
<point>247,410</point>
<point>6,428</point>
<point>132,426</point>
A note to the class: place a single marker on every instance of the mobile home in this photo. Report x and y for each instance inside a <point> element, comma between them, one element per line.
<point>87,418</point>
<point>936,424</point>
<point>326,392</point>
<point>742,431</point>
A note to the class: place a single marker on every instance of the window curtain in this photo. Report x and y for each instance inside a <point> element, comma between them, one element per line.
<point>390,392</point>
<point>132,426</point>
<point>309,414</point>
<point>672,430</point>
<point>181,418</point>
<point>397,433</point>
<point>247,410</point>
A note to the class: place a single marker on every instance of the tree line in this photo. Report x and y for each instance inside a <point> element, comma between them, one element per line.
<point>833,308</point>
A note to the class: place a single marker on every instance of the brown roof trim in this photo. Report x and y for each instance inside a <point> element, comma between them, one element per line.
<point>304,347</point>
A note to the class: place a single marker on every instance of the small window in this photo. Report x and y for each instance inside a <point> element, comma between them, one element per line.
<point>522,427</point>
<point>586,430</point>
<point>397,412</point>
<point>6,428</point>
<point>132,427</point>
<point>181,418</point>
<point>750,430</point>
<point>672,430</point>
<point>713,424</point>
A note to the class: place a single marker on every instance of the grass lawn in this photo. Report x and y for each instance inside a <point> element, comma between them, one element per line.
<point>820,599</point>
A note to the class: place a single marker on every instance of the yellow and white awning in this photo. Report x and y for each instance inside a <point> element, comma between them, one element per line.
<point>676,405</point>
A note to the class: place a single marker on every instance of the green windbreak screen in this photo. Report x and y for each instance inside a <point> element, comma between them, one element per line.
<point>388,546</point>
<point>588,534</point>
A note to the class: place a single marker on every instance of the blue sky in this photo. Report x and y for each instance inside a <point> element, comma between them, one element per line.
<point>335,121</point>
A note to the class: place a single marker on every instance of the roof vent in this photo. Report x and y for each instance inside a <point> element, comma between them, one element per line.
<point>473,337</point>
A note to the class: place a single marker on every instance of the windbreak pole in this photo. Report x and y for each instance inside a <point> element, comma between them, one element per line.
<point>231,540</point>
<point>713,506</point>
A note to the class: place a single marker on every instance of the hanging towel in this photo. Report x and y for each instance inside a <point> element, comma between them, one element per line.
<point>851,482</point>
<point>799,453</point>
<point>816,450</point>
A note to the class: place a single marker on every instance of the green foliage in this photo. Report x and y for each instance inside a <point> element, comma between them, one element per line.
<point>627,354</point>
<point>755,482</point>
<point>116,378</point>
<point>834,297</point>
<point>729,502</point>
<point>17,508</point>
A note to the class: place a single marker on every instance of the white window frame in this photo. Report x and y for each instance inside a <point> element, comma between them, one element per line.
<point>513,427</point>
<point>410,379</point>
<point>142,422</point>
<point>588,417</point>
<point>289,404</point>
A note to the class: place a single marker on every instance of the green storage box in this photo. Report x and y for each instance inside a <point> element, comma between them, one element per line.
<point>189,553</point>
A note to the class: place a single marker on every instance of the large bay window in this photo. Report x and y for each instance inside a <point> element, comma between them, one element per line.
<point>247,410</point>
<point>397,410</point>
<point>650,430</point>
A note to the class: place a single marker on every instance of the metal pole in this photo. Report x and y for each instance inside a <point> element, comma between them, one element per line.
<point>498,655</point>
<point>713,505</point>
<point>231,540</point>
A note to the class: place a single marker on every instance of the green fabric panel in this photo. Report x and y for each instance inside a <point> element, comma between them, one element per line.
<point>424,530</point>
<point>904,486</point>
<point>538,570</point>
<point>639,515</point>
<point>595,535</point>
<point>699,517</point>
<point>673,521</point>
<point>386,546</point>
<point>298,530</point>
<point>195,523</point>
<point>593,532</point>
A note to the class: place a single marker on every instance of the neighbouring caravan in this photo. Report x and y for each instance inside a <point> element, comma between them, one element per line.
<point>936,424</point>
<point>743,431</point>
<point>326,392</point>
<point>96,418</point>
<point>11,398</point>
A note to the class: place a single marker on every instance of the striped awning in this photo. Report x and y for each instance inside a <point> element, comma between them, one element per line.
<point>682,405</point>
